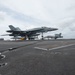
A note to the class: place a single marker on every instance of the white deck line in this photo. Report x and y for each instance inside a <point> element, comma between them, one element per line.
<point>3,56</point>
<point>3,64</point>
<point>41,48</point>
<point>61,47</point>
<point>54,48</point>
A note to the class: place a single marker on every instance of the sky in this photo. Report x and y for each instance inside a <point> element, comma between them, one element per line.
<point>28,14</point>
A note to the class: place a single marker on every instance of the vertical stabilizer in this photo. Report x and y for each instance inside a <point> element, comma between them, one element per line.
<point>12,27</point>
<point>59,34</point>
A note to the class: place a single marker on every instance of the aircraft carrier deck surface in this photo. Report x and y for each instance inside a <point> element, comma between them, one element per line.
<point>53,57</point>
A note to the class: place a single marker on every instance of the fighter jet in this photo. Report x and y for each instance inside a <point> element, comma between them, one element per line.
<point>54,36</point>
<point>28,33</point>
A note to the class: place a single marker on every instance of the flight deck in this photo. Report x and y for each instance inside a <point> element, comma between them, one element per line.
<point>43,57</point>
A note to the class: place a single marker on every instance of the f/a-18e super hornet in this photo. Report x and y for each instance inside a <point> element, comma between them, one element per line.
<point>30,34</point>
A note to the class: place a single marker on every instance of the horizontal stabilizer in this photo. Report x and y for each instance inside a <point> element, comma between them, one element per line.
<point>5,35</point>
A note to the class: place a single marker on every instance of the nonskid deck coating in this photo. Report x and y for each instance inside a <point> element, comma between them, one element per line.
<point>29,61</point>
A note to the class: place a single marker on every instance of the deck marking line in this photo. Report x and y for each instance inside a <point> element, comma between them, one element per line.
<point>61,47</point>
<point>41,48</point>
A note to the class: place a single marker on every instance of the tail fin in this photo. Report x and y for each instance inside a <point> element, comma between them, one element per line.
<point>12,27</point>
<point>59,34</point>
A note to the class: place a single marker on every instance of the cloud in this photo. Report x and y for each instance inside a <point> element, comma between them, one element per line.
<point>28,7</point>
<point>22,17</point>
<point>2,16</point>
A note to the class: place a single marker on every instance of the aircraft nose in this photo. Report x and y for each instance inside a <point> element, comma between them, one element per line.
<point>52,29</point>
<point>55,29</point>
